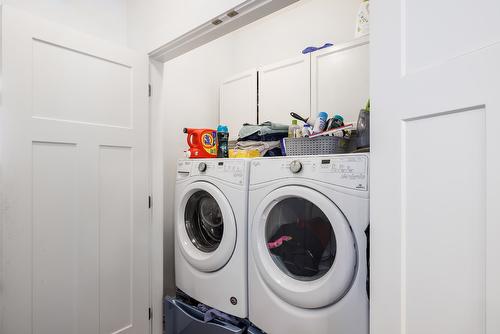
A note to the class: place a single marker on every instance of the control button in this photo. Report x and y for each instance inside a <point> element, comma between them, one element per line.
<point>202,167</point>
<point>295,166</point>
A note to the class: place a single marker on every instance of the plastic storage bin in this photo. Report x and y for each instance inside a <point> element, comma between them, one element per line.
<point>181,318</point>
<point>315,146</point>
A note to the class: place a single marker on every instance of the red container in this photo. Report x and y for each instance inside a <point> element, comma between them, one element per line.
<point>202,143</point>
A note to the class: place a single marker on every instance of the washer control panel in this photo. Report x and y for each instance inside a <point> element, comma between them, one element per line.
<point>346,170</point>
<point>229,170</point>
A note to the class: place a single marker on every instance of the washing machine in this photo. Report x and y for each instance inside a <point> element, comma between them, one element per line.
<point>308,225</point>
<point>211,199</point>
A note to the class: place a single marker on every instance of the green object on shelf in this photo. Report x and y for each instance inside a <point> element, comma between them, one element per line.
<point>367,107</point>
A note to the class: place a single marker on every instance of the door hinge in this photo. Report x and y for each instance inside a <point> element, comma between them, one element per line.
<point>150,313</point>
<point>150,202</point>
<point>149,90</point>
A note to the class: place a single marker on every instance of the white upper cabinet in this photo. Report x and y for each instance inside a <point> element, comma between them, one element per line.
<point>334,80</point>
<point>238,102</point>
<point>340,79</point>
<point>285,87</point>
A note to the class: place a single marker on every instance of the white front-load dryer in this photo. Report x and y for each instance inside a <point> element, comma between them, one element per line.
<point>308,268</point>
<point>211,200</point>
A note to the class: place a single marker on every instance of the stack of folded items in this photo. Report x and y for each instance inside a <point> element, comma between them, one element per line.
<point>266,138</point>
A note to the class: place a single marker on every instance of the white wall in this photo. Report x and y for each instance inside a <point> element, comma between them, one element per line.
<point>155,22</point>
<point>106,19</point>
<point>286,33</point>
<point>192,81</point>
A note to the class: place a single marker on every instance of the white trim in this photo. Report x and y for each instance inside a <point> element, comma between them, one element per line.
<point>156,184</point>
<point>248,12</point>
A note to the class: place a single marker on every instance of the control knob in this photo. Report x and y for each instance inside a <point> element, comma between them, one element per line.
<point>295,166</point>
<point>202,167</point>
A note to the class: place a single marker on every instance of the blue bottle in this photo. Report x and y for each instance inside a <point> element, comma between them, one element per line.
<point>222,141</point>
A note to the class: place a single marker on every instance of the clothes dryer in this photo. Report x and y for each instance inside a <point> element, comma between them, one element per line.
<point>308,267</point>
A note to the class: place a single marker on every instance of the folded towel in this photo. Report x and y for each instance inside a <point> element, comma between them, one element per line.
<point>262,146</point>
<point>263,129</point>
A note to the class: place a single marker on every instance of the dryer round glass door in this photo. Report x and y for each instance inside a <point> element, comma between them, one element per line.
<point>204,221</point>
<point>300,239</point>
<point>205,228</point>
<point>303,247</point>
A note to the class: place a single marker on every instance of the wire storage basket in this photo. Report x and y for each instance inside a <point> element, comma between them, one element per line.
<point>315,146</point>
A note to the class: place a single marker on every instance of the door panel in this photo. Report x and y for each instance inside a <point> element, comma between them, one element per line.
<point>285,87</point>
<point>115,237</point>
<point>443,36</point>
<point>61,88</point>
<point>340,79</point>
<point>435,115</point>
<point>55,260</point>
<point>74,214</point>
<point>439,238</point>
<point>238,102</point>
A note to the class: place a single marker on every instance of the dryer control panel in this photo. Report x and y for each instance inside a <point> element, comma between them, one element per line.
<point>229,170</point>
<point>345,170</point>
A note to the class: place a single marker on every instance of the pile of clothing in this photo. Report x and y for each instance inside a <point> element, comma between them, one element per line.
<point>265,138</point>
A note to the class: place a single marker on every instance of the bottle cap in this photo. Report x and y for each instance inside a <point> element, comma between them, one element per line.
<point>222,128</point>
<point>323,115</point>
<point>338,117</point>
<point>294,122</point>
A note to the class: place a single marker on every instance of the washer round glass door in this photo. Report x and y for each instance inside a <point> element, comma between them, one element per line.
<point>206,228</point>
<point>303,247</point>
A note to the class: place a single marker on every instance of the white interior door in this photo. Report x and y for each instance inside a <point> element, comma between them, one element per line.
<point>435,162</point>
<point>285,87</point>
<point>238,102</point>
<point>74,209</point>
<point>340,79</point>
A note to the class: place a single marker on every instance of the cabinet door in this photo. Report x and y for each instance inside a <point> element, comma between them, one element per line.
<point>340,79</point>
<point>285,87</point>
<point>238,102</point>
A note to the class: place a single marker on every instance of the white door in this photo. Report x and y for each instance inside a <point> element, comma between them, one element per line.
<point>340,79</point>
<point>435,167</point>
<point>74,209</point>
<point>238,102</point>
<point>285,87</point>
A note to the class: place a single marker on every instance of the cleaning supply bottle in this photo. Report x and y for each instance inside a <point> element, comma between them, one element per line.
<point>201,143</point>
<point>306,130</point>
<point>320,123</point>
<point>222,141</point>
<point>294,129</point>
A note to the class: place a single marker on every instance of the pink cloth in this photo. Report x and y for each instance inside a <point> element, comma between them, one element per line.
<point>278,242</point>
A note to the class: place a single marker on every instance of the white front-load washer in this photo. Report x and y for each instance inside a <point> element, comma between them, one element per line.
<point>211,200</point>
<point>308,221</point>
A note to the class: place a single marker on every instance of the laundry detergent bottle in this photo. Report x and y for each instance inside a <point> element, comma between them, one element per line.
<point>202,143</point>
